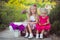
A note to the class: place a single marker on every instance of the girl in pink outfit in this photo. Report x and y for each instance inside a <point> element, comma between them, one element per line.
<point>43,24</point>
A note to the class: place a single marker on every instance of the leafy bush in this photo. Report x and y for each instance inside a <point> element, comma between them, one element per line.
<point>9,14</point>
<point>56,26</point>
<point>55,20</point>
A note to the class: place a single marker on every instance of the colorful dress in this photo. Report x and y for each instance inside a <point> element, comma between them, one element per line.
<point>42,21</point>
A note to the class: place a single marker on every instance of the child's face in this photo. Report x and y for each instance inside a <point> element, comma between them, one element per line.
<point>43,14</point>
<point>33,10</point>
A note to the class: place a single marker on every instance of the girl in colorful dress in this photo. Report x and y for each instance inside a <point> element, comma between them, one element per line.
<point>43,24</point>
<point>32,21</point>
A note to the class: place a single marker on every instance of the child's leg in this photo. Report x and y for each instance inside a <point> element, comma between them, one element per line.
<point>47,29</point>
<point>26,32</point>
<point>37,34</point>
<point>30,31</point>
<point>41,34</point>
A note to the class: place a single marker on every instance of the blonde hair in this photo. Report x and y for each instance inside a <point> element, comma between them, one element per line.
<point>43,10</point>
<point>32,7</point>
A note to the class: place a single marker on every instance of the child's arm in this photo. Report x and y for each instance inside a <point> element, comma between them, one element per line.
<point>36,20</point>
<point>47,22</point>
<point>39,22</point>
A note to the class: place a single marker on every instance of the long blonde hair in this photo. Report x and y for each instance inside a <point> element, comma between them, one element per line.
<point>35,7</point>
<point>30,13</point>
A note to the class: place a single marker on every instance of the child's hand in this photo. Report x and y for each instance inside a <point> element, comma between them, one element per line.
<point>40,24</point>
<point>44,24</point>
<point>31,22</point>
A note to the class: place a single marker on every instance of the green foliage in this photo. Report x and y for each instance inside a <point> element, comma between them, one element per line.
<point>9,14</point>
<point>55,14</point>
<point>56,26</point>
<point>55,19</point>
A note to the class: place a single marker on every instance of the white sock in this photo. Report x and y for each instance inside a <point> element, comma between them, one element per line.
<point>31,35</point>
<point>26,35</point>
<point>41,35</point>
<point>37,35</point>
